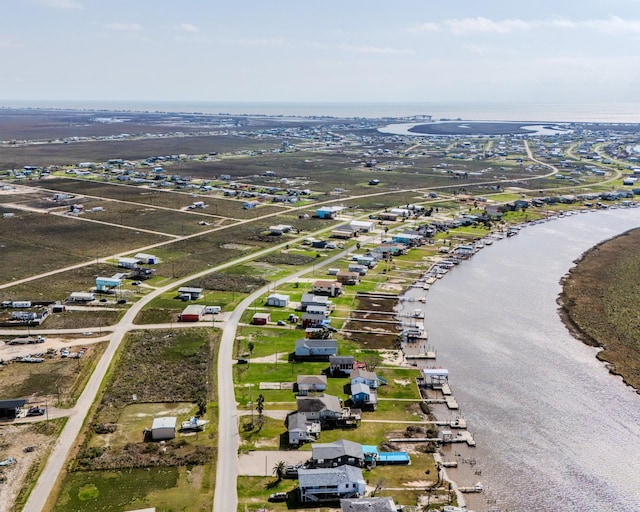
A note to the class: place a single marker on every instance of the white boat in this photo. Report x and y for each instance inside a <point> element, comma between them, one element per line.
<point>193,424</point>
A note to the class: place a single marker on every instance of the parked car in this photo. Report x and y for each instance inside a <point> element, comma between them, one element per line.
<point>281,322</point>
<point>278,496</point>
<point>35,411</point>
<point>242,361</point>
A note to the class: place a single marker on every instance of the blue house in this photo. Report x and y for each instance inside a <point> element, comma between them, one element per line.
<point>106,284</point>
<point>328,212</point>
<point>363,395</point>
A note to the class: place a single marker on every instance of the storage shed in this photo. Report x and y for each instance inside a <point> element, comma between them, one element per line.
<point>278,300</point>
<point>192,313</point>
<point>260,319</point>
<point>163,428</point>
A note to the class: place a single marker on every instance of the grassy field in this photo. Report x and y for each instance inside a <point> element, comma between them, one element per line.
<point>599,303</point>
<point>165,488</point>
<point>34,243</point>
<point>157,373</point>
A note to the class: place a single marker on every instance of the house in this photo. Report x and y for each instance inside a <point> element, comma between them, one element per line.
<point>376,504</point>
<point>260,319</point>
<point>328,212</point>
<point>148,259</point>
<point>344,231</point>
<point>193,293</point>
<point>106,284</point>
<point>360,376</point>
<point>127,262</point>
<point>363,395</point>
<point>280,229</point>
<point>330,288</point>
<point>338,453</point>
<point>363,226</point>
<point>319,349</point>
<point>163,428</point>
<point>309,299</point>
<point>300,430</point>
<point>408,239</point>
<point>306,384</point>
<point>322,408</point>
<point>9,408</point>
<point>314,316</point>
<point>392,249</point>
<point>192,313</point>
<point>248,205</point>
<point>278,300</point>
<point>330,484</point>
<point>341,364</point>
<point>348,278</point>
<point>143,273</point>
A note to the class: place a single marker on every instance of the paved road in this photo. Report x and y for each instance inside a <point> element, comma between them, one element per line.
<point>226,494</point>
<point>67,438</point>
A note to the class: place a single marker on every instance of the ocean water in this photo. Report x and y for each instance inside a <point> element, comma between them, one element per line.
<point>544,112</point>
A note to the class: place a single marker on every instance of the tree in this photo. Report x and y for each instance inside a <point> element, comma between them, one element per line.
<point>260,404</point>
<point>201,402</point>
<point>279,469</point>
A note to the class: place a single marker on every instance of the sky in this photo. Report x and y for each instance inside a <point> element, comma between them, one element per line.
<point>322,51</point>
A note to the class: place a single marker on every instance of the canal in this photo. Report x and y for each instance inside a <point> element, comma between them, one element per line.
<point>554,430</point>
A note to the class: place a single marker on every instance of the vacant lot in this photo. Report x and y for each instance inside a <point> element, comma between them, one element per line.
<point>600,303</point>
<point>33,243</point>
<point>57,380</point>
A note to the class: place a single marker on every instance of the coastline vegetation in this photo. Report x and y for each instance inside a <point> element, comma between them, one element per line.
<point>599,303</point>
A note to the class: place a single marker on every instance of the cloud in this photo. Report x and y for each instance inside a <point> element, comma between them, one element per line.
<point>61,4</point>
<point>273,41</point>
<point>124,27</point>
<point>485,25</point>
<point>482,25</point>
<point>188,27</point>
<point>375,50</point>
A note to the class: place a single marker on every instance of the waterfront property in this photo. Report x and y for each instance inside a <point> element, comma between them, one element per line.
<point>330,484</point>
<point>300,430</point>
<point>338,453</point>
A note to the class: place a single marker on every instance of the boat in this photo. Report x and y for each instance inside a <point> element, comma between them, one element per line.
<point>476,488</point>
<point>193,424</point>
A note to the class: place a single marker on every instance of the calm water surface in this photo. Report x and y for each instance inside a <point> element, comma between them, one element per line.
<point>554,430</point>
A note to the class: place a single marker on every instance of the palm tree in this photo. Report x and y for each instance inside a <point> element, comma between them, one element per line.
<point>260,404</point>
<point>279,469</point>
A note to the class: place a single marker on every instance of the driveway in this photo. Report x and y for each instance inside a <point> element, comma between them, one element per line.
<point>261,463</point>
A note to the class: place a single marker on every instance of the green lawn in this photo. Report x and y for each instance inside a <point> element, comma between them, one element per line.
<point>165,488</point>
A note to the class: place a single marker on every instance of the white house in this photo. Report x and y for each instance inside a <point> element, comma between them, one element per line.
<point>278,300</point>
<point>127,262</point>
<point>330,484</point>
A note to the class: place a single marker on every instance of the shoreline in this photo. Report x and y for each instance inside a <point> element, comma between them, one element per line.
<point>564,311</point>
